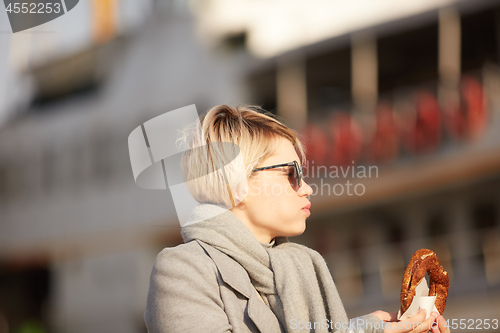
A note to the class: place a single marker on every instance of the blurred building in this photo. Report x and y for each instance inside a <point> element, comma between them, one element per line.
<point>79,237</point>
<point>405,95</point>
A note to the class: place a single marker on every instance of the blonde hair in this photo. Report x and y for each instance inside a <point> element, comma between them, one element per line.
<point>225,147</point>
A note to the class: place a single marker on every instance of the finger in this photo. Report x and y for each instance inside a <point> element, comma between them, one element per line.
<point>386,316</point>
<point>393,316</point>
<point>419,317</point>
<point>442,324</point>
<point>398,327</point>
<point>429,323</point>
<point>419,324</point>
<point>382,315</point>
<point>414,323</point>
<point>435,327</point>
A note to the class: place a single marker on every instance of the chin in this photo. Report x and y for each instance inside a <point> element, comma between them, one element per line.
<point>299,230</point>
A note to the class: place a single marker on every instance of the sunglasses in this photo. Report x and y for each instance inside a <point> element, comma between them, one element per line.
<point>294,175</point>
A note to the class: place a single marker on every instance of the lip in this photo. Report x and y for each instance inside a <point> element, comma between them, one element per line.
<point>306,210</point>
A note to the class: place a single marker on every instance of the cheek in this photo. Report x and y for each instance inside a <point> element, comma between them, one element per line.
<point>254,189</point>
<point>257,194</point>
<point>263,197</point>
<point>270,198</point>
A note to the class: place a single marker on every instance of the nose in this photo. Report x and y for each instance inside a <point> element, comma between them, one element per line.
<point>305,189</point>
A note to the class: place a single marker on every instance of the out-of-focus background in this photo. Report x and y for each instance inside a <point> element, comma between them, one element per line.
<point>404,93</point>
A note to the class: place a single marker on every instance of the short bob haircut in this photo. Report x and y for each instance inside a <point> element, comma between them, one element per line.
<point>256,133</point>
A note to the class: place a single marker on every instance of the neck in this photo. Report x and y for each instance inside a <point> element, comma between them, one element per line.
<point>262,236</point>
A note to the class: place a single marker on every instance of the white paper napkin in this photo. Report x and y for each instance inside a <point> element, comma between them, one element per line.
<point>422,300</point>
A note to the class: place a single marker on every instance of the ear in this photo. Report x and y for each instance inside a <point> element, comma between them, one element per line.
<point>241,193</point>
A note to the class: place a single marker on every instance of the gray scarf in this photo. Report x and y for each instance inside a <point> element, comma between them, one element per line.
<point>293,280</point>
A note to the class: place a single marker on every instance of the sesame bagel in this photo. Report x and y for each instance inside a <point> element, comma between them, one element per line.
<point>424,261</point>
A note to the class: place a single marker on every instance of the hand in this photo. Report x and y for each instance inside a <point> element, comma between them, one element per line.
<point>438,326</point>
<point>416,324</point>
<point>385,316</point>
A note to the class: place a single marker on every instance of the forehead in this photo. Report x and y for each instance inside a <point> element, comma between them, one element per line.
<point>284,152</point>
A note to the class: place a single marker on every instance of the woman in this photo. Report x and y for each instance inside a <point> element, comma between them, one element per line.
<point>237,272</point>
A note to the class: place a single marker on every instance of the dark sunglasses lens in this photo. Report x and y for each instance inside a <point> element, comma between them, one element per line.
<point>291,176</point>
<point>298,171</point>
<point>294,177</point>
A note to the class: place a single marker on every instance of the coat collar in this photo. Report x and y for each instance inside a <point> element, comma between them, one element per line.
<point>234,275</point>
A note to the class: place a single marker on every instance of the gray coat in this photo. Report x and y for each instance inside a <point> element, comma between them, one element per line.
<point>196,288</point>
